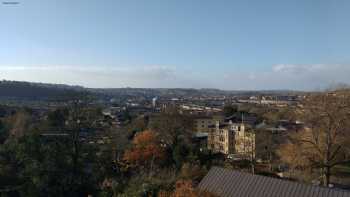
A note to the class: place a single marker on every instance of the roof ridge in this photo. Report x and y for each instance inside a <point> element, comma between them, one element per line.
<point>223,177</point>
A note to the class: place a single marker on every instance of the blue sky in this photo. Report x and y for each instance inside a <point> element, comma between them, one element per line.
<point>296,44</point>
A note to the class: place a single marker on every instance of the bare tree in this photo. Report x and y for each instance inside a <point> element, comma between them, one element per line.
<point>324,142</point>
<point>171,125</point>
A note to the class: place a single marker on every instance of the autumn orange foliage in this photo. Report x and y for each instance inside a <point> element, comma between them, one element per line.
<point>146,148</point>
<point>184,188</point>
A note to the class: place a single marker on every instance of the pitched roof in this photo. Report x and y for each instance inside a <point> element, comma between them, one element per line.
<point>229,183</point>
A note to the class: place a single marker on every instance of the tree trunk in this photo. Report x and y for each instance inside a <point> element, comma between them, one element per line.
<point>151,169</point>
<point>270,161</point>
<point>326,176</point>
<point>252,162</point>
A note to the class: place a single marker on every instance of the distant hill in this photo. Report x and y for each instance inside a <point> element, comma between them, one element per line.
<point>188,92</point>
<point>42,91</point>
<point>37,91</point>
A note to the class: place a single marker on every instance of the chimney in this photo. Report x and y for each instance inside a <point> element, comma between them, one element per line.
<point>217,124</point>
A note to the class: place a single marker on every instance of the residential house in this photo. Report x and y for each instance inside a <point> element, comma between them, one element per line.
<point>232,138</point>
<point>202,123</point>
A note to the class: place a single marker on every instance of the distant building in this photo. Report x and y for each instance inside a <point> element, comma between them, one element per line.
<point>200,140</point>
<point>199,110</point>
<point>246,118</point>
<point>271,136</point>
<point>154,102</point>
<point>202,123</point>
<point>226,183</point>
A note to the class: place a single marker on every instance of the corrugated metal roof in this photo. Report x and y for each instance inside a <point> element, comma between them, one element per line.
<point>229,183</point>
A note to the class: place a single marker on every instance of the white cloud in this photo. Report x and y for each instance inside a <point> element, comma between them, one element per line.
<point>288,76</point>
<point>304,77</point>
<point>296,69</point>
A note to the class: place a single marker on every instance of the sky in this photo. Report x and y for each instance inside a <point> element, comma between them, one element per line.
<point>225,44</point>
